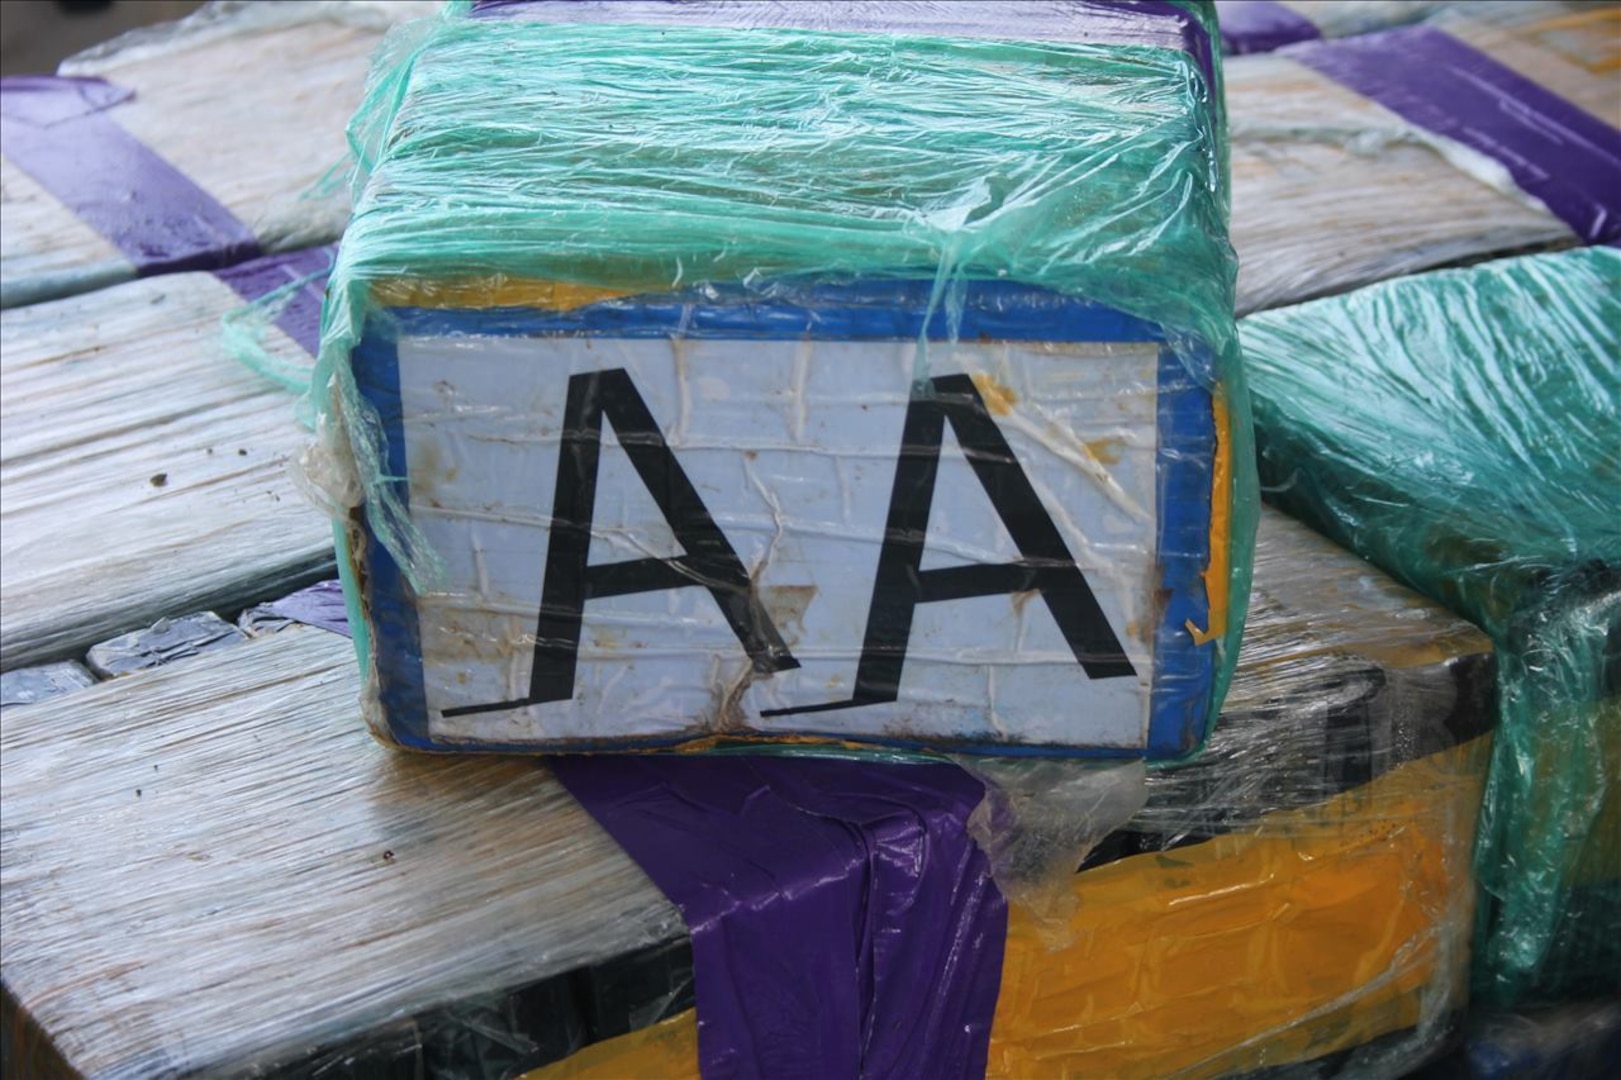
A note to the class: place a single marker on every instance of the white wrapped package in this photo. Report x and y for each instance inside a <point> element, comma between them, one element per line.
<point>145,473</point>
<point>187,145</point>
<point>1490,129</point>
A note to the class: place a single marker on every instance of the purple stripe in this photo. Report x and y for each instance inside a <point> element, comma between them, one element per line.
<point>1123,22</point>
<point>57,130</point>
<point>843,922</point>
<point>1255,26</point>
<point>300,319</point>
<point>1566,157</point>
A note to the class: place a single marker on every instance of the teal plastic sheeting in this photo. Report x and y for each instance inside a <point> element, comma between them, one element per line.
<point>1462,430</point>
<point>652,160</point>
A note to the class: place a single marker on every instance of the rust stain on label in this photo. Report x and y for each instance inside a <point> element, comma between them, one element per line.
<point>999,397</point>
<point>1105,450</point>
<point>786,605</point>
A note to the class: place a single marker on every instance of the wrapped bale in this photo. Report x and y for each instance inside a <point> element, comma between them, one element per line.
<point>1458,429</point>
<point>1303,899</point>
<point>185,146</point>
<point>145,474</point>
<point>1489,130</point>
<point>703,377</point>
<point>268,896</point>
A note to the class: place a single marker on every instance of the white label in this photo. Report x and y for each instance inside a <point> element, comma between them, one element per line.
<point>791,450</point>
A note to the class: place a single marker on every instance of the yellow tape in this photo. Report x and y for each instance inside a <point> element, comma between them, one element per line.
<point>1322,929</point>
<point>1218,571</point>
<point>1317,931</point>
<point>488,292</point>
<point>666,1051</point>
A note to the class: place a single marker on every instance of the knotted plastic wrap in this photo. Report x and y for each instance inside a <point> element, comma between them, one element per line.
<point>579,174</point>
<point>187,145</point>
<point>1489,129</point>
<point>1459,430</point>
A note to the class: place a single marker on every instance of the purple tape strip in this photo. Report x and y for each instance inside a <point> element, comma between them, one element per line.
<point>301,318</point>
<point>319,605</point>
<point>57,130</point>
<point>1123,22</point>
<point>1255,26</point>
<point>1566,157</point>
<point>843,922</point>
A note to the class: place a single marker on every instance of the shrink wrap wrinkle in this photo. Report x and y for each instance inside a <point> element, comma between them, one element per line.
<point>1458,430</point>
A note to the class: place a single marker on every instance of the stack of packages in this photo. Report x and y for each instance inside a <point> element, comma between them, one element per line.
<point>241,882</point>
<point>1451,428</point>
<point>144,474</point>
<point>1459,430</point>
<point>1016,217</point>
<point>192,145</point>
<point>1490,129</point>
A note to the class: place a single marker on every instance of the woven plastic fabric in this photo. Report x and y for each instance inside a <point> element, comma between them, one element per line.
<point>1459,430</point>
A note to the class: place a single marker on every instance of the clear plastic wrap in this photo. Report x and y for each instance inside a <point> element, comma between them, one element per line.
<point>163,642</point>
<point>1300,902</point>
<point>197,143</point>
<point>1334,188</point>
<point>1459,430</point>
<point>26,686</point>
<point>145,473</point>
<point>802,274</point>
<point>1567,1042</point>
<point>243,883</point>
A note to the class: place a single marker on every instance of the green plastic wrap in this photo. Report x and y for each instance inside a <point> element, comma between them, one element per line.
<point>507,158</point>
<point>1463,431</point>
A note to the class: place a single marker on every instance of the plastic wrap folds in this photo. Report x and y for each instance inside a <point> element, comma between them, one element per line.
<point>868,370</point>
<point>1298,898</point>
<point>1459,430</point>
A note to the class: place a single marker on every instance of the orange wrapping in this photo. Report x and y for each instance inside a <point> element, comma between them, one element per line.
<point>1320,930</point>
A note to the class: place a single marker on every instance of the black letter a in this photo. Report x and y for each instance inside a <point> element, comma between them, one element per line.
<point>1046,567</point>
<point>709,560</point>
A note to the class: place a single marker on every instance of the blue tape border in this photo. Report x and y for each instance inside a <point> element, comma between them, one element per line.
<point>864,311</point>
